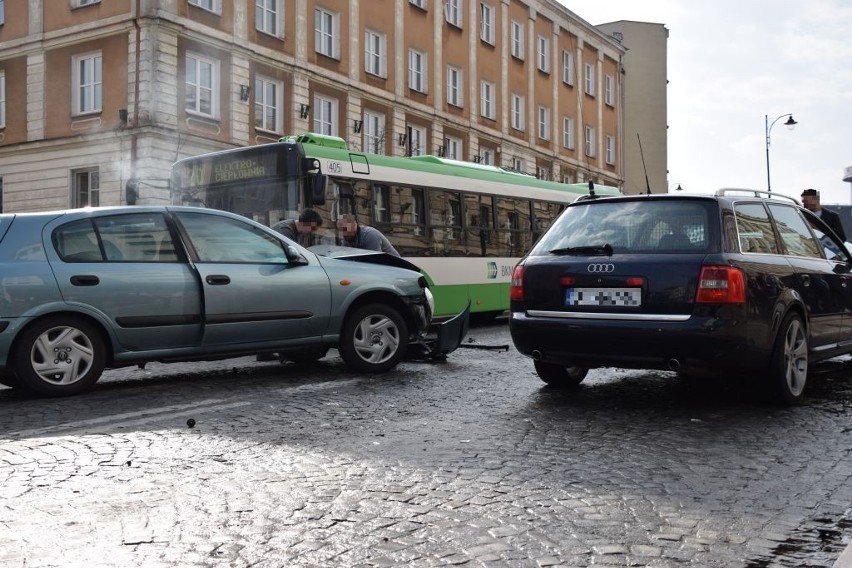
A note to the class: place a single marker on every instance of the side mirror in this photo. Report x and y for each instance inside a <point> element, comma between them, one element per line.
<point>131,191</point>
<point>294,257</point>
<point>317,188</point>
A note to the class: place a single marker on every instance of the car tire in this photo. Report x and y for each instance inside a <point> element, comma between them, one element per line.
<point>304,356</point>
<point>788,369</point>
<point>60,356</point>
<point>374,338</point>
<point>560,376</point>
<point>8,378</point>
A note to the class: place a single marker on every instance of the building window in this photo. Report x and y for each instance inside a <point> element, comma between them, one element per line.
<point>568,177</point>
<point>86,187</point>
<point>610,150</point>
<point>518,164</point>
<point>567,67</point>
<point>542,172</point>
<point>568,132</point>
<point>202,85</point>
<point>381,203</point>
<point>416,140</point>
<point>589,75</point>
<point>375,53</point>
<point>590,141</point>
<point>609,83</point>
<point>2,99</point>
<point>517,112</point>
<point>419,3</point>
<point>486,23</point>
<point>543,54</point>
<point>517,40</point>
<point>454,86</point>
<point>453,148</point>
<point>267,17</point>
<point>487,104</point>
<point>88,83</point>
<point>268,102</point>
<point>214,6</point>
<point>327,33</point>
<point>81,3</point>
<point>453,12</point>
<point>417,70</point>
<point>2,11</point>
<point>325,115</point>
<point>486,157</point>
<point>374,133</point>
<point>543,122</point>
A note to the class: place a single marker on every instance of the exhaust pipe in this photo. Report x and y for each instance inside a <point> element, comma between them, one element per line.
<point>537,355</point>
<point>674,364</point>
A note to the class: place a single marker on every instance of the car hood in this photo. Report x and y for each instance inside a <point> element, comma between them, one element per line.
<point>362,255</point>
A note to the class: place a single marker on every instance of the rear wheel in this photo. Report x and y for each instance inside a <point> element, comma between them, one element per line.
<point>560,376</point>
<point>59,356</point>
<point>788,369</point>
<point>374,338</point>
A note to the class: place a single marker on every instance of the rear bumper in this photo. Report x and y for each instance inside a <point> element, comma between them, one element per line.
<point>701,342</point>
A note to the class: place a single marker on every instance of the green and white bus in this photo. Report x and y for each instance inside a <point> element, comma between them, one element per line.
<point>465,225</point>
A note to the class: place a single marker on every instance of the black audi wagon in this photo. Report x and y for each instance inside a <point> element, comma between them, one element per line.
<point>739,281</point>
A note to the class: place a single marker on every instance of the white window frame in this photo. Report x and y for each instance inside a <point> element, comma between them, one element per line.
<point>610,149</point>
<point>609,83</point>
<point>82,3</point>
<point>543,59</point>
<point>517,39</point>
<point>542,173</point>
<point>262,102</point>
<point>454,148</point>
<point>568,178</point>
<point>213,87</point>
<point>214,6</point>
<point>375,53</point>
<point>2,98</point>
<point>518,164</point>
<point>567,67</point>
<point>486,23</point>
<point>2,21</point>
<point>590,141</point>
<point>518,121</point>
<point>327,33</point>
<point>487,107</point>
<point>417,71</point>
<point>92,178</point>
<point>589,79</point>
<point>455,86</point>
<point>543,122</point>
<point>87,83</point>
<point>453,12</point>
<point>486,156</point>
<point>568,132</point>
<point>373,138</point>
<point>326,114</point>
<point>422,4</point>
<point>416,140</point>
<point>269,16</point>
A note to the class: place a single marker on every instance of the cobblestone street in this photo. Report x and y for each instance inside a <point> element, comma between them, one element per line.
<point>470,462</point>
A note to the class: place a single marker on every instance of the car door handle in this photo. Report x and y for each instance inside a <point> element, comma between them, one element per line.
<point>85,280</point>
<point>217,279</point>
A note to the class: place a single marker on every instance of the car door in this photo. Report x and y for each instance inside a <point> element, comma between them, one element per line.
<point>251,292</point>
<point>126,268</point>
<point>818,281</point>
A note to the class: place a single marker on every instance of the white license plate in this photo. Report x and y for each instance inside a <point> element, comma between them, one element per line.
<point>614,297</point>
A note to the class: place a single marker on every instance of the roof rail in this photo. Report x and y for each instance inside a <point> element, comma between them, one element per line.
<point>755,192</point>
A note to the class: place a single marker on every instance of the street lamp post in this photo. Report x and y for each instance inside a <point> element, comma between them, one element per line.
<point>791,123</point>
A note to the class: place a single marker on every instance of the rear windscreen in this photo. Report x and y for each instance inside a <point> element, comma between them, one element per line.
<point>662,226</point>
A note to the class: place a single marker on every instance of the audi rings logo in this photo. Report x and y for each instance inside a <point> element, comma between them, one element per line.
<point>601,268</point>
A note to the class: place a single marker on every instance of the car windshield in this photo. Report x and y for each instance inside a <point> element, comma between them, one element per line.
<point>625,227</point>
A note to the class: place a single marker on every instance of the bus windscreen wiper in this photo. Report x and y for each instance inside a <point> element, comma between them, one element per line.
<point>586,250</point>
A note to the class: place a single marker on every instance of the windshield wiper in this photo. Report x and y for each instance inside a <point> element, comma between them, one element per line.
<point>587,250</point>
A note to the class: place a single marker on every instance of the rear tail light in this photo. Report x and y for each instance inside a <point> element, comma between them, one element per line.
<point>516,292</point>
<point>720,285</point>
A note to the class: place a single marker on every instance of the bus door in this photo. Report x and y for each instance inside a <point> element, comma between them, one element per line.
<point>250,290</point>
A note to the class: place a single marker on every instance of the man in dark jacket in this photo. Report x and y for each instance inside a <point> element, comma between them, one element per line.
<point>810,199</point>
<point>301,230</point>
<point>363,236</point>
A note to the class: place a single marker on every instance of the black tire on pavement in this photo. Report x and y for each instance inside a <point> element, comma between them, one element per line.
<point>60,355</point>
<point>9,379</point>
<point>788,369</point>
<point>304,356</point>
<point>560,376</point>
<point>374,338</point>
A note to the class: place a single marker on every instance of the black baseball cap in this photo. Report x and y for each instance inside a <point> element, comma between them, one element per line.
<point>310,216</point>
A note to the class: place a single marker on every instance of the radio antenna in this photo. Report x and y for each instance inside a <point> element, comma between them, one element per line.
<point>642,154</point>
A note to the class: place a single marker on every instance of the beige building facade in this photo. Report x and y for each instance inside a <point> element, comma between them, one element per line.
<point>98,93</point>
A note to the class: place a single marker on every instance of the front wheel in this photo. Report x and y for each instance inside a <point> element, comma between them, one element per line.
<point>560,376</point>
<point>374,339</point>
<point>788,369</point>
<point>59,356</point>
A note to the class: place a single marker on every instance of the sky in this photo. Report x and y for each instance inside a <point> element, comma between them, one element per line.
<point>732,63</point>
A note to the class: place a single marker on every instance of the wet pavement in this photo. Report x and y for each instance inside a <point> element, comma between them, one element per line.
<point>471,462</point>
